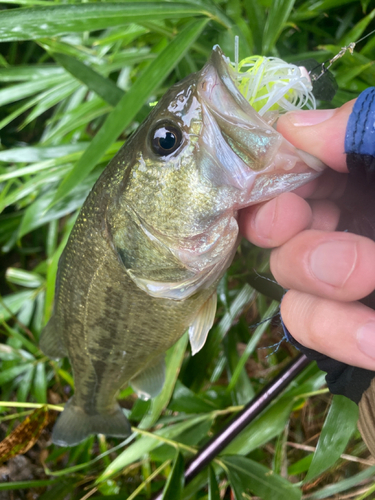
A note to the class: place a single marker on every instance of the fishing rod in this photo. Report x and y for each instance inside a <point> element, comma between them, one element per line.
<point>218,442</point>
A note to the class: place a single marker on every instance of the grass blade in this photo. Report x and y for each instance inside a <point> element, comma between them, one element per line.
<point>146,444</point>
<point>41,22</point>
<point>338,428</point>
<point>253,343</point>
<point>175,483</point>
<point>256,15</point>
<point>358,30</point>
<point>103,87</point>
<point>22,485</point>
<point>12,373</point>
<point>344,485</point>
<point>40,384</point>
<point>245,474</point>
<point>270,424</point>
<point>213,488</point>
<point>277,17</point>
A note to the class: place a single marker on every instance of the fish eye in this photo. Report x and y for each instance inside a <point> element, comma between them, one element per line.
<point>165,139</point>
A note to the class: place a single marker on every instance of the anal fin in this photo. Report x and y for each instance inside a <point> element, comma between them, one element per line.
<point>51,340</point>
<point>202,324</point>
<point>149,382</point>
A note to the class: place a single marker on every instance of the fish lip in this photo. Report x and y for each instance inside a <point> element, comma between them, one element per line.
<point>258,149</point>
<point>222,65</point>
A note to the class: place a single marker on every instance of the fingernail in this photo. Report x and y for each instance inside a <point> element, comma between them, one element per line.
<point>308,118</point>
<point>333,262</point>
<point>366,339</point>
<point>264,219</point>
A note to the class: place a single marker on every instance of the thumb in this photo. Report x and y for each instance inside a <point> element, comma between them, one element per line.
<point>319,132</point>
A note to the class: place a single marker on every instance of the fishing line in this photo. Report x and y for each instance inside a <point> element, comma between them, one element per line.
<point>327,64</point>
<point>264,277</point>
<point>270,318</point>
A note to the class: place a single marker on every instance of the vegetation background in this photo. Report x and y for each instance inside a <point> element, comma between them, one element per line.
<point>76,78</point>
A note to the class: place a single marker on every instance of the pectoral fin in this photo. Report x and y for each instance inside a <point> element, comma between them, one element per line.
<point>202,324</point>
<point>366,422</point>
<point>149,382</point>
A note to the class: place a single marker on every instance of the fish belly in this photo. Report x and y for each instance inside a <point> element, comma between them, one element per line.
<point>111,331</point>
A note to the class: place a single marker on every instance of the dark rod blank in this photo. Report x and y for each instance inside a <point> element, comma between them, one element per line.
<point>243,419</point>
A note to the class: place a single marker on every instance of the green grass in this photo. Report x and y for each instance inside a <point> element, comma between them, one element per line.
<point>76,79</point>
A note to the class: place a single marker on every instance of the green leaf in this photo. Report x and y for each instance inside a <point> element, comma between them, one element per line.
<point>64,489</point>
<point>26,73</point>
<point>191,437</point>
<point>23,485</point>
<point>38,154</point>
<point>40,384</point>
<point>11,304</point>
<point>185,400</point>
<point>300,466</point>
<point>246,475</point>
<point>276,22</point>
<point>38,214</point>
<point>338,428</point>
<point>357,31</point>
<point>312,8</point>
<point>23,278</point>
<point>40,22</point>
<point>268,425</point>
<point>48,99</point>
<point>103,87</point>
<point>24,388</point>
<point>242,391</point>
<point>344,79</point>
<point>176,479</point>
<point>145,444</point>
<point>12,373</point>
<point>256,16</point>
<point>332,490</point>
<point>213,488</point>
<point>255,337</point>
<point>22,90</point>
<point>173,362</point>
<point>131,103</point>
<point>32,348</point>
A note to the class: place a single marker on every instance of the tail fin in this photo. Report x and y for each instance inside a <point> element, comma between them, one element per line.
<point>51,341</point>
<point>74,425</point>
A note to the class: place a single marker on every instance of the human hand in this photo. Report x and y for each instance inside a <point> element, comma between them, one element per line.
<point>326,272</point>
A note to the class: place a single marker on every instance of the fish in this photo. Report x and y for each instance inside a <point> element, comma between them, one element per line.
<point>154,237</point>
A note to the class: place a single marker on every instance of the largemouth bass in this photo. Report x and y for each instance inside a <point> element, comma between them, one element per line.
<point>154,237</point>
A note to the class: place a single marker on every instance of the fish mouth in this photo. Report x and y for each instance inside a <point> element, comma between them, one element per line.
<point>241,149</point>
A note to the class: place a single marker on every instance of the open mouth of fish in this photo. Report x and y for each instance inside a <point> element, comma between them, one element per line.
<point>253,157</point>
